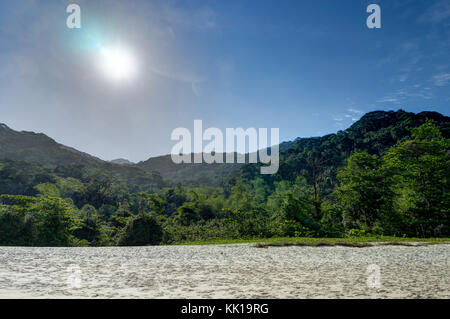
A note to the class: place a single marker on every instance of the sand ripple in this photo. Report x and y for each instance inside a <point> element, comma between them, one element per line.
<point>224,271</point>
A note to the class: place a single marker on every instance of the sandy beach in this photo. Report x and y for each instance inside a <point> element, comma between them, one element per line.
<point>225,271</point>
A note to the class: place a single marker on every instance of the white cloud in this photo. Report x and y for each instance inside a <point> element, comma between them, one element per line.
<point>389,99</point>
<point>352,115</point>
<point>441,79</point>
<point>355,111</point>
<point>409,92</point>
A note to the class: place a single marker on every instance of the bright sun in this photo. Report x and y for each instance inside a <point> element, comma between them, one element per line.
<point>118,63</point>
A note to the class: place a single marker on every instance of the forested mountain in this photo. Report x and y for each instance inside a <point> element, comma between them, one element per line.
<point>41,149</point>
<point>121,161</point>
<point>374,133</point>
<point>200,173</point>
<point>387,174</point>
<point>318,158</point>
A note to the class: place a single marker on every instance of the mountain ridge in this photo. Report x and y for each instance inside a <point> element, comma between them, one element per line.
<point>43,150</point>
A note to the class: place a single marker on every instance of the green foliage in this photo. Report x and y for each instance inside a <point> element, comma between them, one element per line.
<point>141,230</point>
<point>15,228</point>
<point>48,189</point>
<point>43,221</point>
<point>388,174</point>
<point>187,214</point>
<point>421,166</point>
<point>365,191</point>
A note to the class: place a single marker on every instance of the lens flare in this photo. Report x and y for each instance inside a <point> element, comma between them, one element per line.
<point>117,63</point>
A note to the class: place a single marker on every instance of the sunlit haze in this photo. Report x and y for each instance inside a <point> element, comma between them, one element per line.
<point>136,70</point>
<point>117,63</point>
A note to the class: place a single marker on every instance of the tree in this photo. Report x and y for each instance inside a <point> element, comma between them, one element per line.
<point>141,230</point>
<point>90,228</point>
<point>294,208</point>
<point>48,221</point>
<point>365,191</point>
<point>187,214</point>
<point>14,228</point>
<point>421,166</point>
<point>314,165</point>
<point>241,197</point>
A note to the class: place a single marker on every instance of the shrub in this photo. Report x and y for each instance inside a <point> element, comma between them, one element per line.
<point>141,230</point>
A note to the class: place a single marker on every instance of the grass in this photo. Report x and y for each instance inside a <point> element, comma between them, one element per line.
<point>318,242</point>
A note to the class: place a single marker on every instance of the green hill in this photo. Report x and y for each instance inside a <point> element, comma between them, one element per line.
<point>386,175</point>
<point>41,149</point>
<point>374,132</point>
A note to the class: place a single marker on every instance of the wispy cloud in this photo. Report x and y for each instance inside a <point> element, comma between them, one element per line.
<point>441,79</point>
<point>437,13</point>
<point>404,62</point>
<point>355,111</point>
<point>347,118</point>
<point>388,99</point>
<point>403,94</point>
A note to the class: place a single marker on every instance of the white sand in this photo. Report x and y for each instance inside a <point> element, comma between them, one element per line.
<point>224,271</point>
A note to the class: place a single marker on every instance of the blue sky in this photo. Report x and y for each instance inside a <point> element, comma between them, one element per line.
<point>307,67</point>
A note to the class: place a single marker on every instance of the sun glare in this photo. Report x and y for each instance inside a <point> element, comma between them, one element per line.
<point>117,63</point>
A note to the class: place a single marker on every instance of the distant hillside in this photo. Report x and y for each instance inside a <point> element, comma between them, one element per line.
<point>374,132</point>
<point>318,158</point>
<point>38,148</point>
<point>41,149</point>
<point>121,161</point>
<point>205,174</point>
<point>337,185</point>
